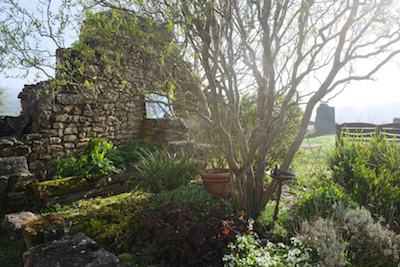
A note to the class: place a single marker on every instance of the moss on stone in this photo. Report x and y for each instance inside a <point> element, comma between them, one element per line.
<point>63,186</point>
<point>126,257</point>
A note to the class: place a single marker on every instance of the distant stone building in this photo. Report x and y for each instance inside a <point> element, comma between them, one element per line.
<point>325,120</point>
<point>396,120</point>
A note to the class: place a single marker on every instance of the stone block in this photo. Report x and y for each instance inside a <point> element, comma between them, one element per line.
<point>73,118</point>
<point>54,140</point>
<point>18,182</point>
<point>3,184</point>
<point>71,99</point>
<point>54,148</point>
<point>13,223</point>
<point>61,118</point>
<point>71,130</point>
<point>58,125</point>
<point>50,133</point>
<point>9,141</point>
<point>14,151</point>
<point>77,250</point>
<point>69,145</point>
<point>12,165</point>
<point>33,136</point>
<point>49,228</point>
<point>36,165</point>
<point>70,138</point>
<point>88,113</point>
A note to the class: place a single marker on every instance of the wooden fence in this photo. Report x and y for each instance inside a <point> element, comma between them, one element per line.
<point>365,130</point>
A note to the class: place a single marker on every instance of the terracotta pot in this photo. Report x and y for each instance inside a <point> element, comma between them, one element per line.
<point>217,184</point>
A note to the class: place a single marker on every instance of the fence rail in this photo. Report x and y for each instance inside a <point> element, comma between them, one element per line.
<point>365,130</point>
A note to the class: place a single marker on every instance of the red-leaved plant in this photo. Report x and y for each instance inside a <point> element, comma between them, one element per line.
<point>180,235</point>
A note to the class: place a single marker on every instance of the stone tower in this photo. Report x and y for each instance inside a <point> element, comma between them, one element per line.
<point>325,120</point>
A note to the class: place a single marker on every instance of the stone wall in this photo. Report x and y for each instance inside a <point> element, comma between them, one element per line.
<point>60,124</point>
<point>52,126</point>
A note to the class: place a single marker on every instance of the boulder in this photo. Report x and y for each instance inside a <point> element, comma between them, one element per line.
<point>78,250</point>
<point>13,223</point>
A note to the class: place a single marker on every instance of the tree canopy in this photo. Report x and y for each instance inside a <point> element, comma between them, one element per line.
<point>285,52</point>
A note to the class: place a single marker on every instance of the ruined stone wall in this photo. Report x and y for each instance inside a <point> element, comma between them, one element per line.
<point>60,124</point>
<point>52,126</point>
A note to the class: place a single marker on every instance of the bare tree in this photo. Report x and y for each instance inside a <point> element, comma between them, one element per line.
<point>294,51</point>
<point>3,98</point>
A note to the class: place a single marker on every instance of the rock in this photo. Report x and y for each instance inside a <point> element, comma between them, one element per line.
<point>49,228</point>
<point>9,141</point>
<point>13,165</point>
<point>3,184</point>
<point>13,223</point>
<point>14,151</point>
<point>19,181</point>
<point>18,123</point>
<point>78,250</point>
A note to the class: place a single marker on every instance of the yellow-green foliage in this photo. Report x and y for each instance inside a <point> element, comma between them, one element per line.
<point>126,257</point>
<point>116,226</point>
<point>63,186</point>
<point>51,221</point>
<point>113,222</point>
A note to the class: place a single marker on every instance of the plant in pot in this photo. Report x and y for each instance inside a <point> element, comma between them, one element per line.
<point>217,178</point>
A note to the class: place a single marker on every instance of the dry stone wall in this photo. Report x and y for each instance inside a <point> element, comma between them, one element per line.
<point>58,125</point>
<point>52,126</point>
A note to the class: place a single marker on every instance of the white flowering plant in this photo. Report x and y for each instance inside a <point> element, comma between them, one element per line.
<point>247,250</point>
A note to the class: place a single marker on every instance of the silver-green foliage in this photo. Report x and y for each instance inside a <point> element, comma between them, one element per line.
<point>351,236</point>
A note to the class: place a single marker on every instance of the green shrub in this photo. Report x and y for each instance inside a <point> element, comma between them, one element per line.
<point>370,172</point>
<point>162,170</point>
<point>191,193</point>
<point>319,203</point>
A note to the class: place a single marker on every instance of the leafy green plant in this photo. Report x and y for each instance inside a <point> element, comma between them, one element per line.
<point>369,171</point>
<point>191,193</point>
<point>103,159</point>
<point>319,203</point>
<point>96,162</point>
<point>161,170</point>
